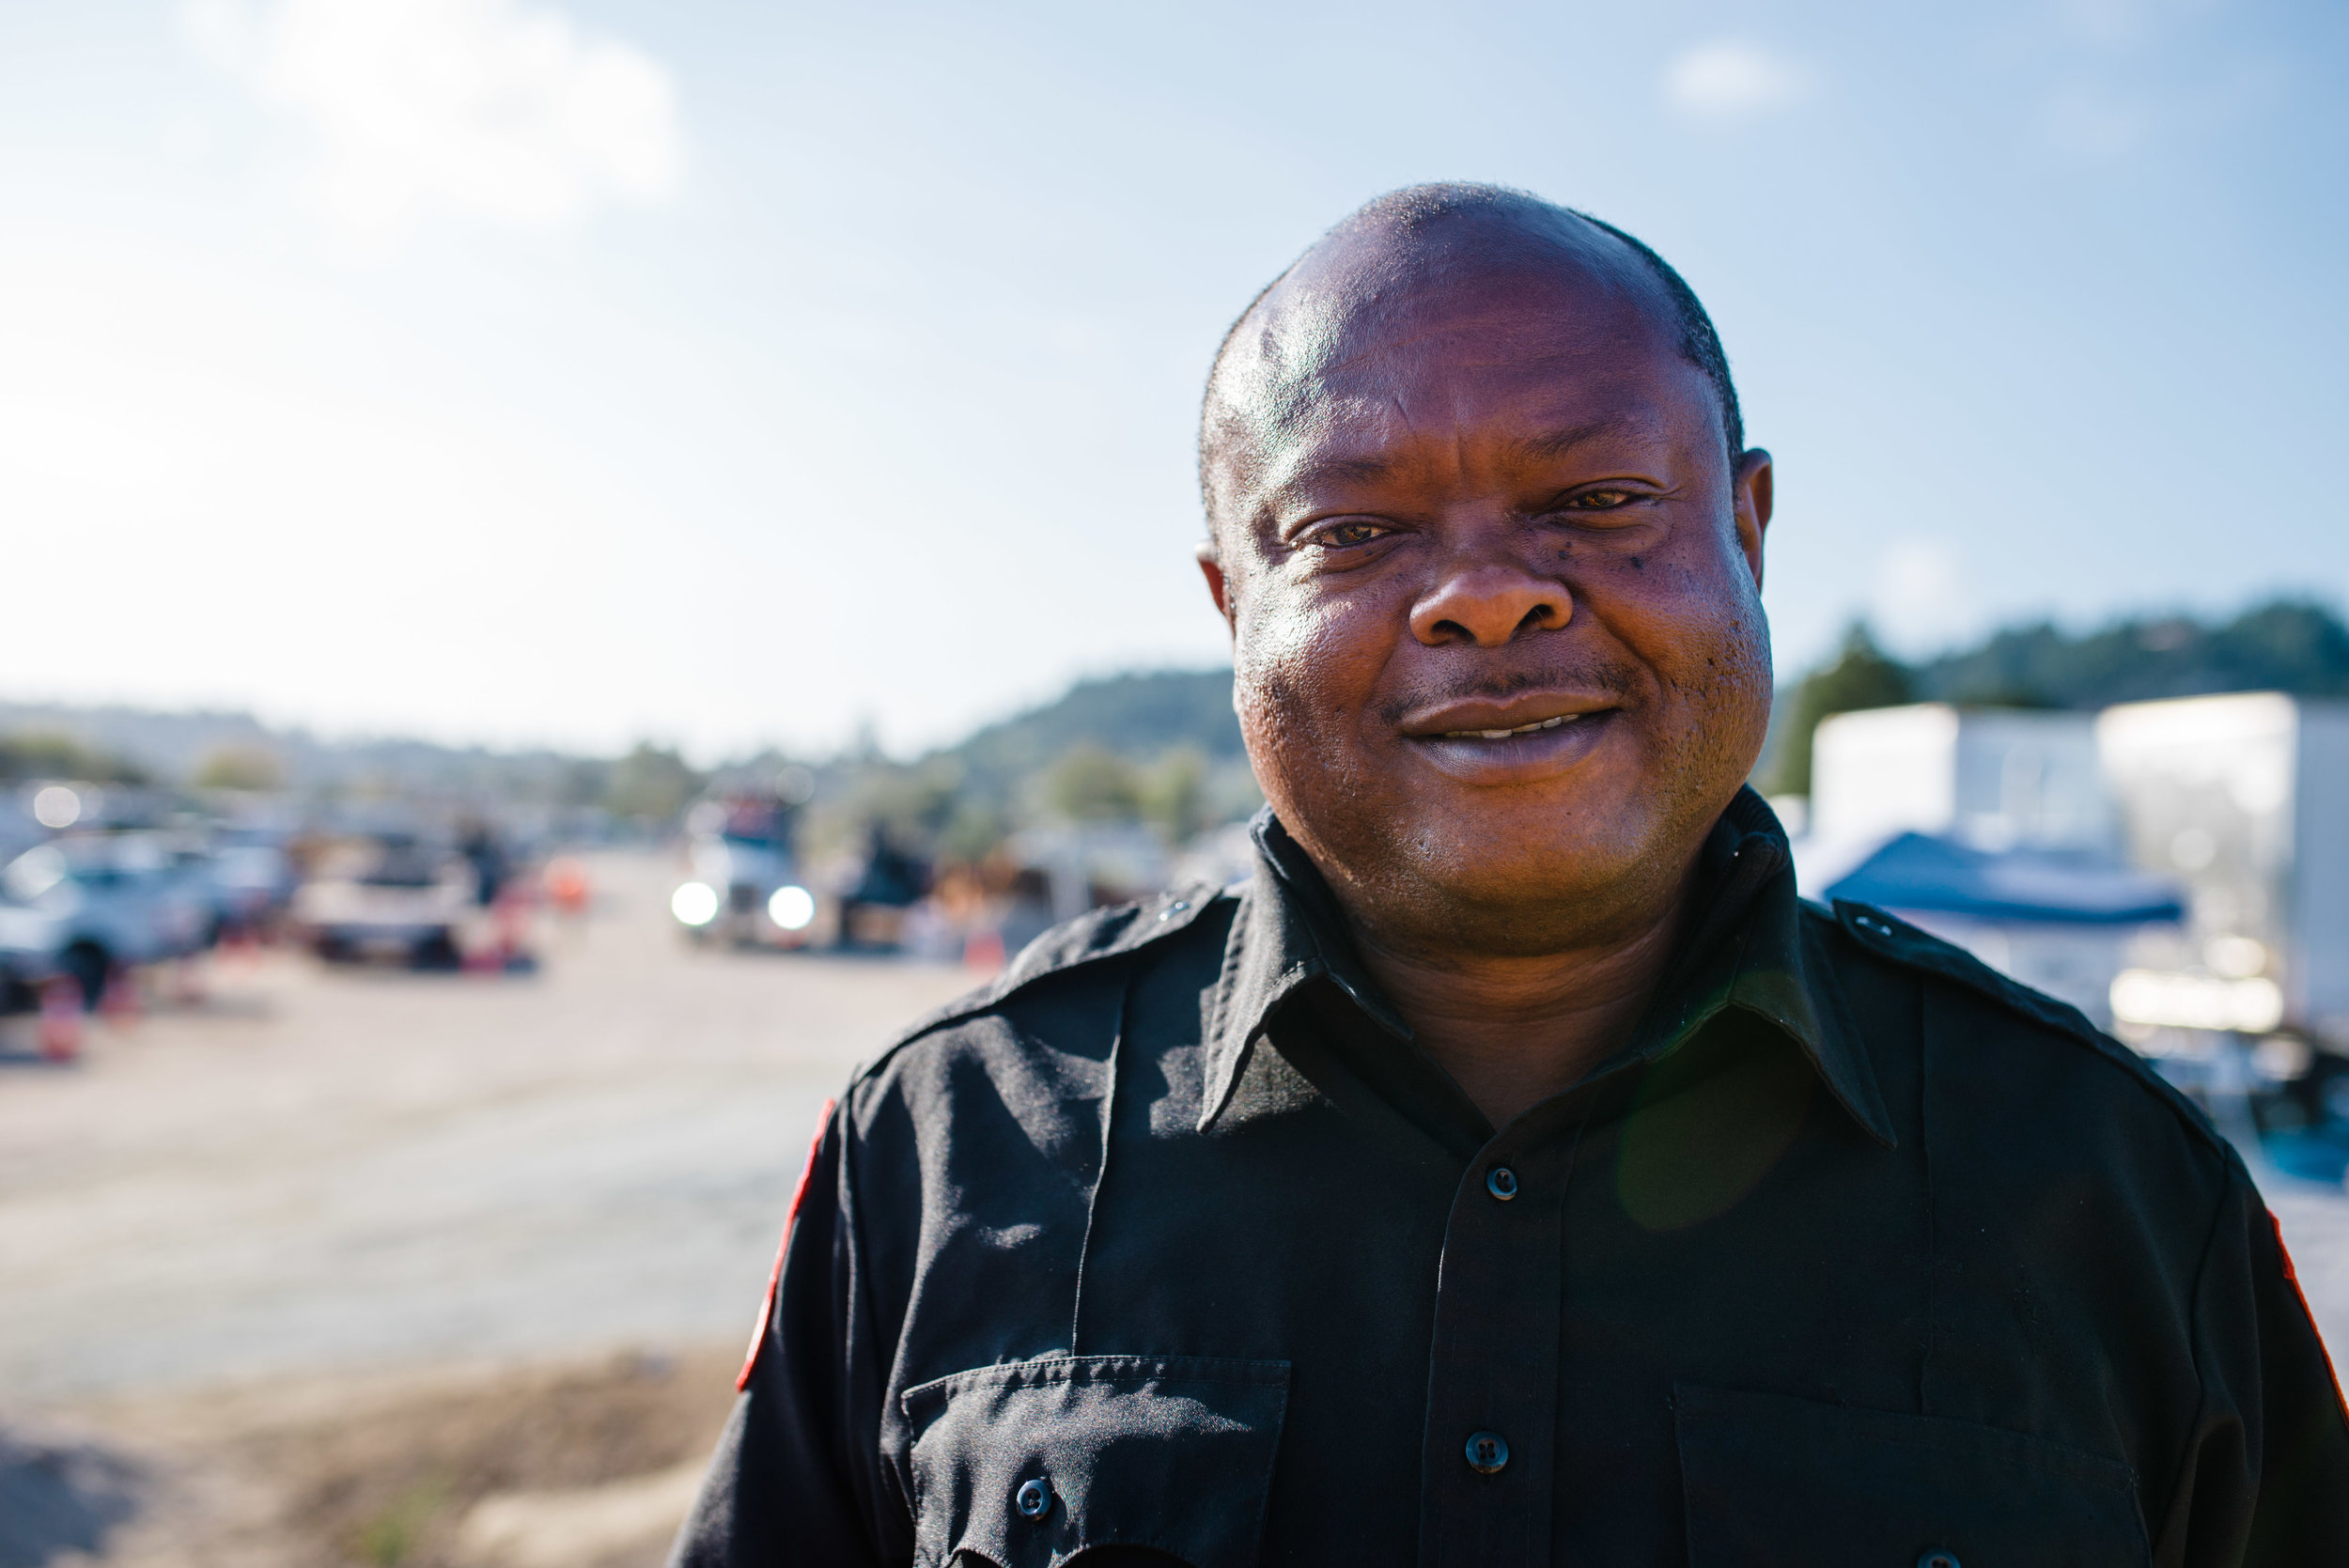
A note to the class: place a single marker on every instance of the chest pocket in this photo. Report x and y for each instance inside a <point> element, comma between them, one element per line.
<point>1772,1480</point>
<point>1029,1463</point>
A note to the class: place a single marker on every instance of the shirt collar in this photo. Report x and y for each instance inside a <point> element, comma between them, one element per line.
<point>1747,949</point>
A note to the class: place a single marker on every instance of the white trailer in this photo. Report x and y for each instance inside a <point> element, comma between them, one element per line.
<point>2243,799</point>
<point>1991,778</point>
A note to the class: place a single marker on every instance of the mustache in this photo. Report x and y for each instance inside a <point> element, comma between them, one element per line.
<point>1583,677</point>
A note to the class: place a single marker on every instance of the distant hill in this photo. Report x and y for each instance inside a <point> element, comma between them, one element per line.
<point>175,747</point>
<point>2290,646</point>
<point>1140,715</point>
<point>168,745</point>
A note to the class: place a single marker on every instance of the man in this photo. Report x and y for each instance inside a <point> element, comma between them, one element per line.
<point>1514,1172</point>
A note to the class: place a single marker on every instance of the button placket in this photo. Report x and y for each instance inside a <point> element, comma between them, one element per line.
<point>1491,1426</point>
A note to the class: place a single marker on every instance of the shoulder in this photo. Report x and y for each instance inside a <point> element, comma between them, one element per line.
<point>2034,1053</point>
<point>1051,1015</point>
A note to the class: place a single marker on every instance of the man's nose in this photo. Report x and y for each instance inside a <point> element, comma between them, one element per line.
<point>1488,604</point>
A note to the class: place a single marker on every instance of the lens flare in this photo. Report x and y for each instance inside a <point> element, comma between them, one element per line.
<point>56,807</point>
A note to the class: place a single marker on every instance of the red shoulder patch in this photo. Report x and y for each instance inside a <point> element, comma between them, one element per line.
<point>2291,1278</point>
<point>774,1275</point>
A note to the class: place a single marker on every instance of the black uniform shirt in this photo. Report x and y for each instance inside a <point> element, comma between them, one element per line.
<point>1172,1241</point>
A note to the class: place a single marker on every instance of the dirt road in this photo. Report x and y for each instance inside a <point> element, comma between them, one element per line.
<point>321,1169</point>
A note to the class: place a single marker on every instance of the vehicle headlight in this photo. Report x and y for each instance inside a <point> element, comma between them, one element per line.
<point>791,909</point>
<point>694,902</point>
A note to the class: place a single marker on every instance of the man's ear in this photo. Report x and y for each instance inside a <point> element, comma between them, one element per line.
<point>1219,589</point>
<point>1753,490</point>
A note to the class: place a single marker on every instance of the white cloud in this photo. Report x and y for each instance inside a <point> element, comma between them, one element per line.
<point>1731,80</point>
<point>495,108</point>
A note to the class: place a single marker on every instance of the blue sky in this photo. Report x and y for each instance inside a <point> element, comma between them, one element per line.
<point>546,370</point>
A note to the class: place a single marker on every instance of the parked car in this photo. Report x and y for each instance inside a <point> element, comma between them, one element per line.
<point>395,896</point>
<point>251,878</point>
<point>86,906</point>
<point>743,883</point>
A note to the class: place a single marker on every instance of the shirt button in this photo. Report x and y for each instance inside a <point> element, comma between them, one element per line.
<point>1936,1559</point>
<point>1033,1499</point>
<point>1487,1453</point>
<point>1501,1183</point>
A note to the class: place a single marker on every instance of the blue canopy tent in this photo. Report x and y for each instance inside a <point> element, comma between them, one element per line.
<point>1916,871</point>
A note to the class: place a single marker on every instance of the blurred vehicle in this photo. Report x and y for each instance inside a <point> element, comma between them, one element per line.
<point>1992,779</point>
<point>252,879</point>
<point>85,906</point>
<point>742,883</point>
<point>393,896</point>
<point>2244,797</point>
<point>875,903</point>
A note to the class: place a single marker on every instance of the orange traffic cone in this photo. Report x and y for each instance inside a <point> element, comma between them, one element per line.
<point>61,1018</point>
<point>567,886</point>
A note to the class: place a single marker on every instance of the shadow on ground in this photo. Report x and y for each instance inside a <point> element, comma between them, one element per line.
<point>59,1498</point>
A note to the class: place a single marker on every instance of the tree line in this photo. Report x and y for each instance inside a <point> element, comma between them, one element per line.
<point>2294,646</point>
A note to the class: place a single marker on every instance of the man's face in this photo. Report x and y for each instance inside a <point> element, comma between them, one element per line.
<point>1494,590</point>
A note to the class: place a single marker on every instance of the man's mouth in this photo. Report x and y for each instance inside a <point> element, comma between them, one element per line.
<point>1534,728</point>
<point>1514,741</point>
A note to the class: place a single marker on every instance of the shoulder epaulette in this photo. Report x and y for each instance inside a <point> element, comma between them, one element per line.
<point>1889,937</point>
<point>1089,938</point>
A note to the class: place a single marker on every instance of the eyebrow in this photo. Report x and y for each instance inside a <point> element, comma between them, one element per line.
<point>1559,443</point>
<point>1541,448</point>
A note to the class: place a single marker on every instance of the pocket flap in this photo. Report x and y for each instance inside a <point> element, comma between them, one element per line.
<point>1030,1463</point>
<point>1770,1480</point>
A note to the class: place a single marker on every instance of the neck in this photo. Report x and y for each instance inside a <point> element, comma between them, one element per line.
<point>1512,1030</point>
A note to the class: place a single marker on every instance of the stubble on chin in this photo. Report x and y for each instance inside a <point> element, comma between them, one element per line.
<point>1433,867</point>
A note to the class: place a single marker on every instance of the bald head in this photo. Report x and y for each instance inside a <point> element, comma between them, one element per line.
<point>1396,264</point>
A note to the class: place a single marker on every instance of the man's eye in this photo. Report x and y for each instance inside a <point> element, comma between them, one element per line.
<point>1600,501</point>
<point>1342,534</point>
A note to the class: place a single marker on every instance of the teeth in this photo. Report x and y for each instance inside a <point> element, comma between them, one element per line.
<point>1503,735</point>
